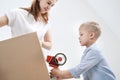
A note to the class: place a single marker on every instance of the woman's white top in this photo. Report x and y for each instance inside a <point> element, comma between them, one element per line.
<point>21,22</point>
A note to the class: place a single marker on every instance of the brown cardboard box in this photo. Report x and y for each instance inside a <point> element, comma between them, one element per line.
<point>21,58</point>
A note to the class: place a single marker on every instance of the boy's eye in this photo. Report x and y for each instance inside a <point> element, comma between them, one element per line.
<point>81,34</point>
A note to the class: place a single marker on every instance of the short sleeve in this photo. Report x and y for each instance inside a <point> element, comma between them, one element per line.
<point>11,17</point>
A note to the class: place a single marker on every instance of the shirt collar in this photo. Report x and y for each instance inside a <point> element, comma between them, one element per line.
<point>90,47</point>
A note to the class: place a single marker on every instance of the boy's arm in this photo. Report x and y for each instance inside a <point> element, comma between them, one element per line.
<point>63,74</point>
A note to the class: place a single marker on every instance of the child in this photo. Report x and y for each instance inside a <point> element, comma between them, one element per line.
<point>93,65</point>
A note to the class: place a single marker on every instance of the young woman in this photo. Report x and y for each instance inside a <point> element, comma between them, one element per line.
<point>31,19</point>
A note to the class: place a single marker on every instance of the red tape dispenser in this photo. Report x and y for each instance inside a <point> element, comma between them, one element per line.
<point>58,60</point>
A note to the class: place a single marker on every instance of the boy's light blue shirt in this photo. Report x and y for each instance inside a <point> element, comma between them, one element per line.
<point>93,66</point>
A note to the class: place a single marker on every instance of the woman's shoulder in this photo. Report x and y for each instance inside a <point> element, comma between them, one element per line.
<point>14,11</point>
<point>18,10</point>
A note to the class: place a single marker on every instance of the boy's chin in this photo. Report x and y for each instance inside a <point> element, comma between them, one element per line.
<point>82,45</point>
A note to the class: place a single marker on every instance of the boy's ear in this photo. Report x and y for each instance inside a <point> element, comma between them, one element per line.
<point>92,35</point>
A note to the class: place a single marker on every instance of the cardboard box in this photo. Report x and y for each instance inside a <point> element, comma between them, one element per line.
<point>21,58</point>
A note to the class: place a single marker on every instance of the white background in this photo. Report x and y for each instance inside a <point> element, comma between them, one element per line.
<point>66,17</point>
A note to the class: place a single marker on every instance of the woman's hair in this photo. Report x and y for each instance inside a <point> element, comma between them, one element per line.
<point>92,27</point>
<point>35,11</point>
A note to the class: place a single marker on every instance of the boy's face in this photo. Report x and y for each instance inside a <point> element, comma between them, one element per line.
<point>84,36</point>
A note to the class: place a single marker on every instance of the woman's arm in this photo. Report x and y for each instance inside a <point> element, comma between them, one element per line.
<point>47,43</point>
<point>3,20</point>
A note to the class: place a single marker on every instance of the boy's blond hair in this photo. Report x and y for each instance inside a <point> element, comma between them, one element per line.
<point>92,27</point>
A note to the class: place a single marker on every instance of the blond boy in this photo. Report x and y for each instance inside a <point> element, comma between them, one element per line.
<point>93,65</point>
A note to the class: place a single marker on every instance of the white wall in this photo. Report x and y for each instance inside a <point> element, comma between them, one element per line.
<point>66,16</point>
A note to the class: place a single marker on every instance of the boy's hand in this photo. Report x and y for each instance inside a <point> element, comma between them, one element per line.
<point>61,74</point>
<point>55,72</point>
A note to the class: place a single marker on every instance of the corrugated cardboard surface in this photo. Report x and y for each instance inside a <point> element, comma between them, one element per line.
<point>21,58</point>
